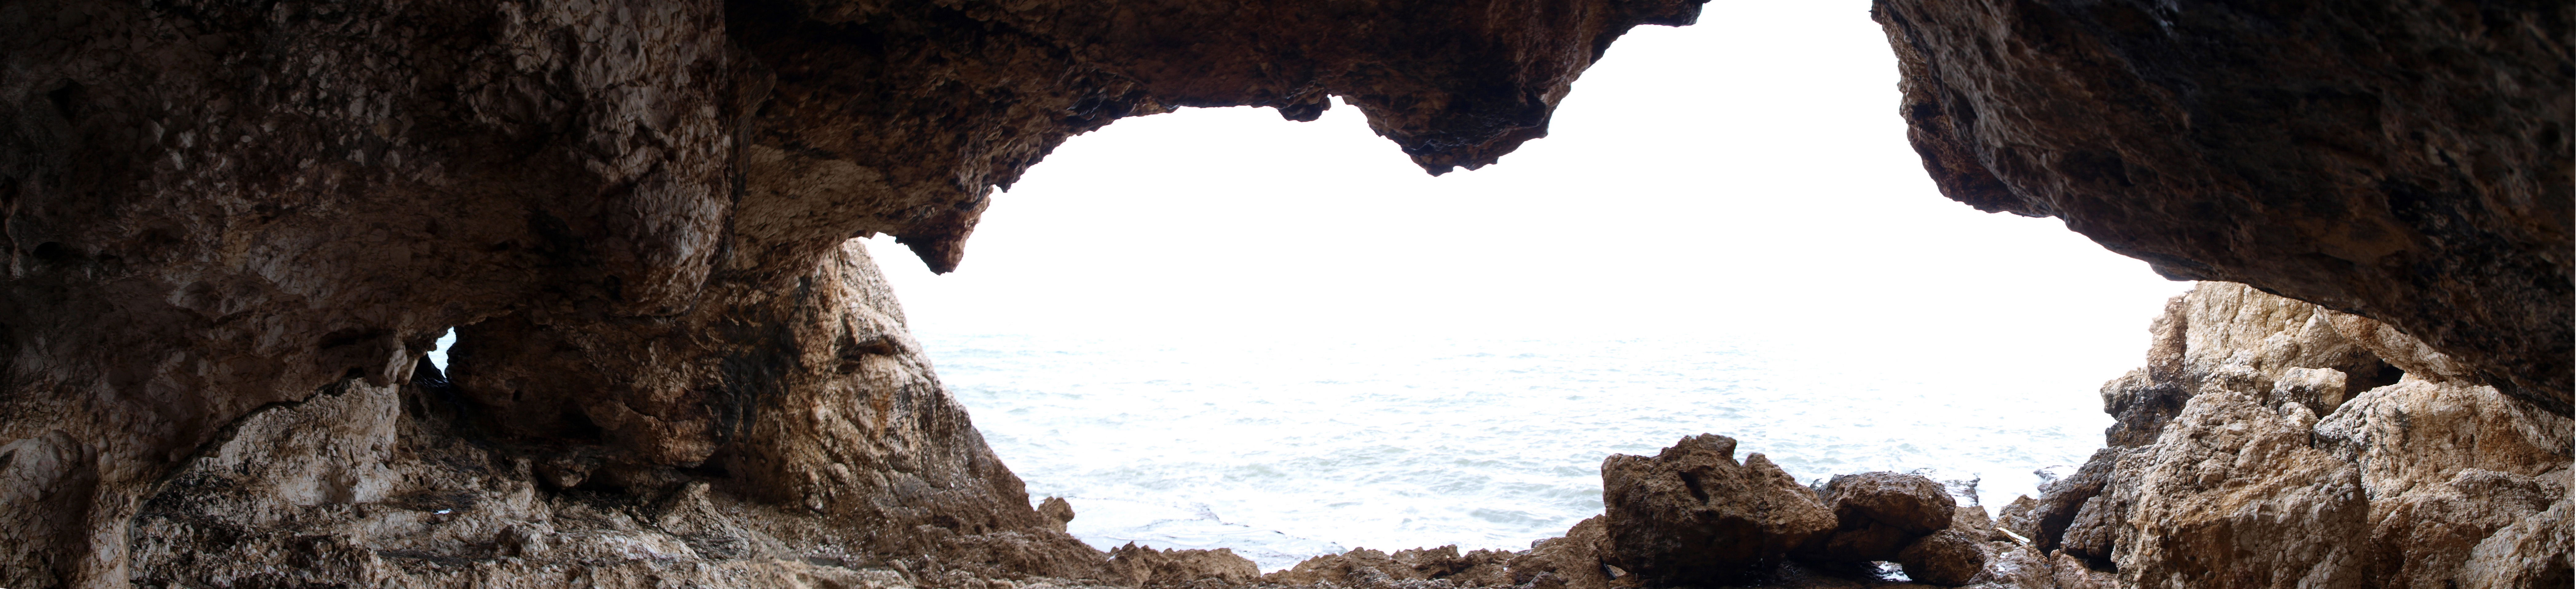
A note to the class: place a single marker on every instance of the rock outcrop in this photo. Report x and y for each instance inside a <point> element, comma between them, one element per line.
<point>1878,514</point>
<point>632,212</point>
<point>2267,443</point>
<point>230,231</point>
<point>2428,481</point>
<point>1692,515</point>
<point>2403,160</point>
<point>396,486</point>
<point>1147,567</point>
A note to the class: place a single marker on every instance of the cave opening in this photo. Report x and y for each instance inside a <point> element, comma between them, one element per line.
<point>1377,358</point>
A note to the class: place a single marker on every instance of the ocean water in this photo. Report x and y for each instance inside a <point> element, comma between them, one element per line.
<point>1283,448</point>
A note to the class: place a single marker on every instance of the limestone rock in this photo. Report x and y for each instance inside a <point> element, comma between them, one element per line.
<point>1575,561</point>
<point>2233,495</point>
<point>2010,565</point>
<point>2232,336</point>
<point>1878,514</point>
<point>1555,562</point>
<point>2069,572</point>
<point>2313,150</point>
<point>1360,566</point>
<point>2044,519</point>
<point>1692,515</point>
<point>1974,520</point>
<point>2448,465</point>
<point>2396,484</point>
<point>1950,557</point>
<point>2532,553</point>
<point>1057,510</point>
<point>633,213</point>
<point>1149,567</point>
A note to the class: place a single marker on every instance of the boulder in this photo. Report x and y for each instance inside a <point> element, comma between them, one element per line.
<point>1877,514</point>
<point>1949,557</point>
<point>1692,515</point>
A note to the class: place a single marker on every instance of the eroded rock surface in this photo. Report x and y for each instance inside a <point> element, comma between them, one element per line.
<point>633,212</point>
<point>2420,482</point>
<point>1692,515</point>
<point>1878,514</point>
<point>2403,160</point>
<point>231,229</point>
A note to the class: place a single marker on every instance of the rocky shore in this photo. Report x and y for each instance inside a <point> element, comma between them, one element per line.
<point>229,231</point>
<point>2266,443</point>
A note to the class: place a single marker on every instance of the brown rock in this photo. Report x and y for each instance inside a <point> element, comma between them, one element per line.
<point>1360,566</point>
<point>1148,567</point>
<point>2313,150</point>
<point>1907,501</point>
<point>1692,515</point>
<point>1574,561</point>
<point>2010,565</point>
<point>1057,510</point>
<point>633,213</point>
<point>2016,517</point>
<point>1950,557</point>
<point>2045,519</point>
<point>2074,573</point>
<point>1878,514</point>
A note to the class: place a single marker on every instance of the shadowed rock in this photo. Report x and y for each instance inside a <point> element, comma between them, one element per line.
<point>1880,513</point>
<point>1949,557</point>
<point>1692,515</point>
<point>633,213</point>
<point>2402,160</point>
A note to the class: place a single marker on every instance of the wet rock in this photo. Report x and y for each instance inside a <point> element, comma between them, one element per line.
<point>1878,514</point>
<point>1149,567</point>
<point>1950,557</point>
<point>1693,515</point>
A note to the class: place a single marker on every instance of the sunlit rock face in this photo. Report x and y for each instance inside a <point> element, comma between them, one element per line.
<point>2277,469</point>
<point>2404,160</point>
<point>217,215</point>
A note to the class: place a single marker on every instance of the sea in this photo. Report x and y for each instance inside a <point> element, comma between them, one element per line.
<point>1283,448</point>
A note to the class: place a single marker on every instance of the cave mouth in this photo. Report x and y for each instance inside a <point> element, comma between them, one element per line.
<point>1452,366</point>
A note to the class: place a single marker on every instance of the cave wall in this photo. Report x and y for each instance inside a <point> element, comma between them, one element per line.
<point>634,212</point>
<point>2404,160</point>
<point>231,230</point>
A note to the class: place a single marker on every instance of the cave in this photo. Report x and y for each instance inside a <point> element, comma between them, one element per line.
<point>234,229</point>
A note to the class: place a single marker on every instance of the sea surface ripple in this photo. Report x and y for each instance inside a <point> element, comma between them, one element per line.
<point>1285,448</point>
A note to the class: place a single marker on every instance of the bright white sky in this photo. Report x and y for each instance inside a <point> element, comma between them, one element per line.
<point>1748,174</point>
